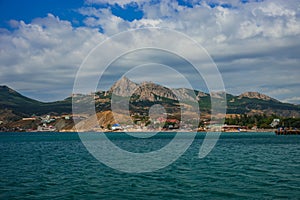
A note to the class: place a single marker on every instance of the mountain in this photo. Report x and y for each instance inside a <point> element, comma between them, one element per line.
<point>147,93</point>
<point>256,103</point>
<point>17,104</point>
<point>188,94</point>
<point>14,105</point>
<point>10,98</point>
<point>123,87</point>
<point>256,95</point>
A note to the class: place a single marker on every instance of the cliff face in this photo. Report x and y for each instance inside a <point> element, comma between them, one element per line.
<point>189,95</point>
<point>145,91</point>
<point>153,92</point>
<point>150,91</point>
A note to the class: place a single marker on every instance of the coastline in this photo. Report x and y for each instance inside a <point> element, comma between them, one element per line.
<point>146,131</point>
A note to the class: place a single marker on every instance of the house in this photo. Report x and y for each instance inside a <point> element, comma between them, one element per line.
<point>172,124</point>
<point>231,128</point>
<point>66,117</point>
<point>28,119</point>
<point>116,127</point>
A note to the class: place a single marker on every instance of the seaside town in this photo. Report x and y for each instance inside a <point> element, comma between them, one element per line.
<point>149,99</point>
<point>248,112</point>
<point>142,123</point>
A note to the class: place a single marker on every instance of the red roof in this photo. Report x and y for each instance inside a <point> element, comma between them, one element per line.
<point>172,120</point>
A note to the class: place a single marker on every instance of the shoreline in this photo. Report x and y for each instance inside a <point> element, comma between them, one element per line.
<point>144,131</point>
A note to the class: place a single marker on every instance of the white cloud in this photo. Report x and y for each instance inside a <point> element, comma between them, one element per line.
<point>295,100</point>
<point>112,2</point>
<point>251,42</point>
<point>266,19</point>
<point>45,55</point>
<point>273,9</point>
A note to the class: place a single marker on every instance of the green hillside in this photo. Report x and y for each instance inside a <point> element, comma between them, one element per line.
<point>19,104</point>
<point>245,105</point>
<point>14,103</point>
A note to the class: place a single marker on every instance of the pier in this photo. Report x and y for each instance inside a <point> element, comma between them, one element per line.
<point>287,132</point>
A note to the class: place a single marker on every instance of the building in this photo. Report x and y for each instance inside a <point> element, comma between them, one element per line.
<point>116,127</point>
<point>29,119</point>
<point>231,128</point>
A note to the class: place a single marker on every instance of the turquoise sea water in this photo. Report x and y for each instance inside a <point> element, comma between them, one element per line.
<point>241,166</point>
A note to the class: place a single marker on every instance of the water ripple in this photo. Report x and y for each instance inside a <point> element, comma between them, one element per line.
<point>57,166</point>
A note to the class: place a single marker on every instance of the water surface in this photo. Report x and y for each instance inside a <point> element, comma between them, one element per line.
<point>242,165</point>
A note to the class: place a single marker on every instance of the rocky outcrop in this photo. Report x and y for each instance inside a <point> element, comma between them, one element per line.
<point>123,87</point>
<point>256,95</point>
<point>145,91</point>
<point>188,94</point>
<point>153,92</point>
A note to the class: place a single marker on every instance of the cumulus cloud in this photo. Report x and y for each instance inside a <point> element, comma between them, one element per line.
<point>45,55</point>
<point>294,100</point>
<point>255,43</point>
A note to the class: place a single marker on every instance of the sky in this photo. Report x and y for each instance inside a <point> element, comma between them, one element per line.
<point>254,43</point>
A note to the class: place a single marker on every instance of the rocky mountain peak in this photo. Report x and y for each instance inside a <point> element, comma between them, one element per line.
<point>123,87</point>
<point>3,87</point>
<point>145,90</point>
<point>256,95</point>
<point>150,91</point>
<point>188,94</point>
<point>153,92</point>
<point>6,89</point>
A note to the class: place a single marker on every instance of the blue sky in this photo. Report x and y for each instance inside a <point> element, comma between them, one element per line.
<point>255,44</point>
<point>28,10</point>
<point>66,10</point>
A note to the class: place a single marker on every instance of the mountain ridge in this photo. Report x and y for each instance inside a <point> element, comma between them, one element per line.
<point>129,89</point>
<point>256,95</point>
<point>125,87</point>
<point>144,95</point>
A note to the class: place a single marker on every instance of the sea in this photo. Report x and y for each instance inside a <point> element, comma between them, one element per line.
<point>240,166</point>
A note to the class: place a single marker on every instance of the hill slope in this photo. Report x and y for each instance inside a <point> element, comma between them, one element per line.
<point>14,105</point>
<point>14,102</point>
